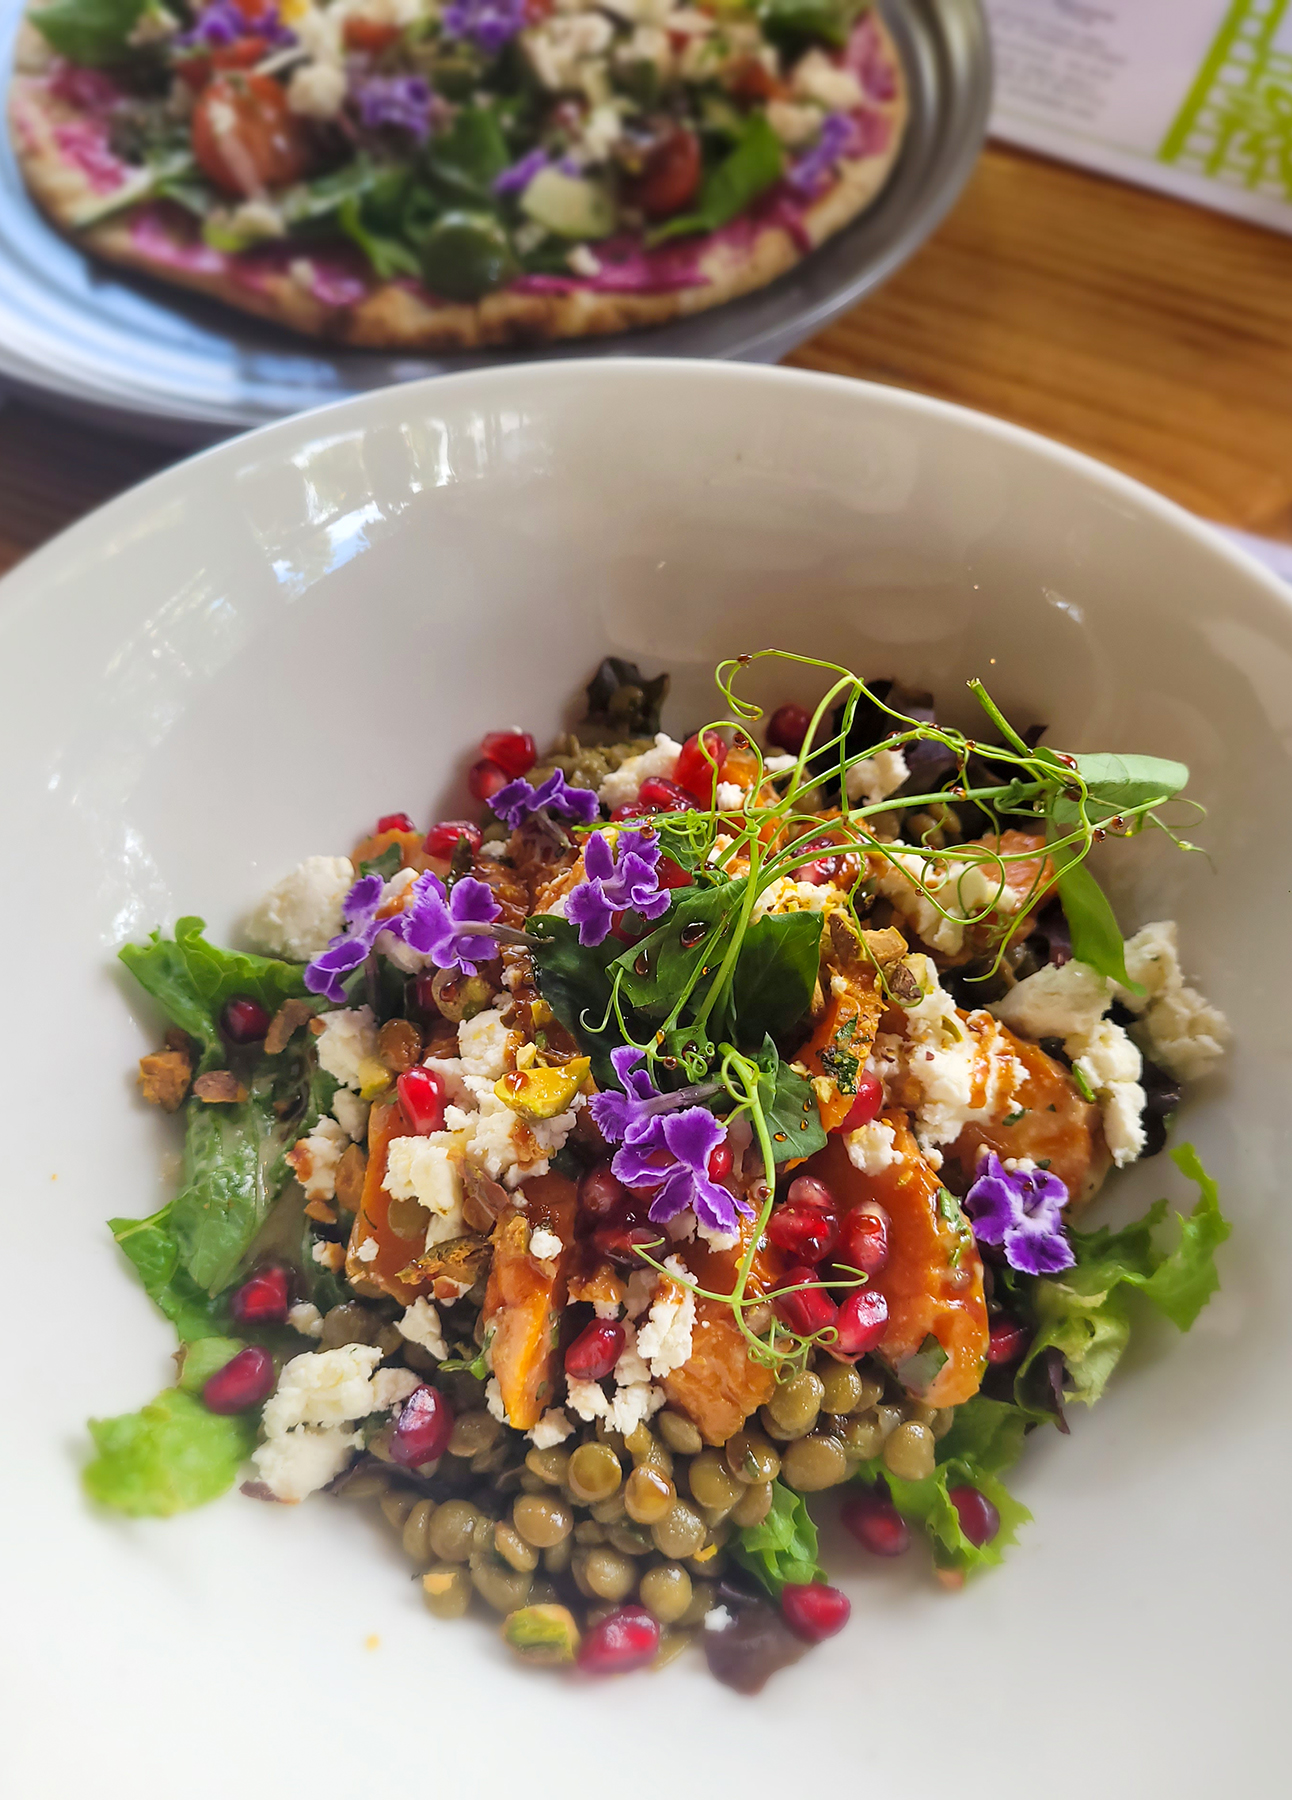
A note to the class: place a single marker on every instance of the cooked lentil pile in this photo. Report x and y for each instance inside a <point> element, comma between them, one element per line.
<point>704,1127</point>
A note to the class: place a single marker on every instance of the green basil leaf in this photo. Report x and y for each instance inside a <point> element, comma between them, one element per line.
<point>203,1358</point>
<point>775,974</point>
<point>658,970</point>
<point>734,184</point>
<point>576,983</point>
<point>170,1456</point>
<point>784,1547</point>
<point>790,1108</point>
<point>191,980</point>
<point>93,32</point>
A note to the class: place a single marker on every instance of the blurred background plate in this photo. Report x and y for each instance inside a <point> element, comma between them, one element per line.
<point>136,353</point>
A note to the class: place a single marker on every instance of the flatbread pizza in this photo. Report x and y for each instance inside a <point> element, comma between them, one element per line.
<point>444,174</point>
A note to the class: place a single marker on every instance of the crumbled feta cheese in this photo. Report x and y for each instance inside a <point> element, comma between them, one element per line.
<point>1177,1027</point>
<point>328,1256</point>
<point>779,765</point>
<point>318,29</point>
<point>586,1398</point>
<point>602,132</point>
<point>1063,1002</point>
<point>621,785</point>
<point>314,1159</point>
<point>496,848</point>
<point>323,1387</point>
<point>306,1318</point>
<point>429,1169</point>
<point>963,1068</point>
<point>871,1148</point>
<point>391,1387</point>
<point>493,1400</point>
<point>552,1428</point>
<point>317,90</point>
<point>640,1292</point>
<point>729,796</point>
<point>420,1324</point>
<point>295,1464</point>
<point>793,122</point>
<point>956,891</point>
<point>717,1619</point>
<point>785,895</point>
<point>347,1041</point>
<point>875,777</point>
<point>482,1045</point>
<point>351,1114</point>
<point>664,1341</point>
<point>545,1244</point>
<point>559,47</point>
<point>301,914</point>
<point>1112,1066</point>
<point>817,78</point>
<point>367,1251</point>
<point>607,1309</point>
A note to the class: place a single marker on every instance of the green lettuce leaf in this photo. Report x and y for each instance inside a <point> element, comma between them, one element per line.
<point>1085,1312</point>
<point>230,1153</point>
<point>199,1361</point>
<point>170,1456</point>
<point>89,31</point>
<point>784,1547</point>
<point>191,980</point>
<point>152,1248</point>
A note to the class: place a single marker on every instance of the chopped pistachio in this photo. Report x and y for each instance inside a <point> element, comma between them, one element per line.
<point>542,1093</point>
<point>542,1634</point>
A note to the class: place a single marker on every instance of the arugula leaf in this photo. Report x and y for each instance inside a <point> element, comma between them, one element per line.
<point>796,22</point>
<point>389,257</point>
<point>170,1456</point>
<point>789,1106</point>
<point>199,1361</point>
<point>1084,1312</point>
<point>734,184</point>
<point>229,1152</point>
<point>1092,924</point>
<point>387,864</point>
<point>92,32</point>
<point>657,970</point>
<point>150,1244</point>
<point>784,1547</point>
<point>191,980</point>
<point>466,159</point>
<point>775,974</point>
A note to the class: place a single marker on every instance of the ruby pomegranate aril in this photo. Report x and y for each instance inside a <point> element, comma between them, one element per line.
<point>806,1190</point>
<point>672,875</point>
<point>421,1096</point>
<point>602,1196</point>
<point>395,822</point>
<point>595,1351</point>
<point>813,1610</point>
<point>244,1020</point>
<point>513,751</point>
<point>624,1640</point>
<point>698,774</point>
<point>808,1310</point>
<point>658,795</point>
<point>721,1161</point>
<point>788,726</point>
<point>263,1299</point>
<point>422,1429</point>
<point>1007,1340</point>
<point>863,1240</point>
<point>861,1322</point>
<point>868,1105</point>
<point>243,1382</point>
<point>485,778</point>
<point>876,1523</point>
<point>620,1243</point>
<point>807,1233</point>
<point>979,1519</point>
<point>442,839</point>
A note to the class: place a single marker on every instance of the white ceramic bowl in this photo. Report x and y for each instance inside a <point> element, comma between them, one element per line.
<point>246,660</point>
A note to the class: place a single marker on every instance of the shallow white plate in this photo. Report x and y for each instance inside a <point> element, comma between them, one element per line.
<point>249,658</point>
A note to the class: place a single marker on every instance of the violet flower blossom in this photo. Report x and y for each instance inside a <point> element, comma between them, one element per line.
<point>1022,1211</point>
<point>433,922</point>
<point>402,101</point>
<point>624,879</point>
<point>488,24</point>
<point>518,177</point>
<point>519,800</point>
<point>809,172</point>
<point>629,1117</point>
<point>344,954</point>
<point>222,23</point>
<point>666,1144</point>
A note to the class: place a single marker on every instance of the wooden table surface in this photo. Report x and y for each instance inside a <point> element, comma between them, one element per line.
<point>1152,334</point>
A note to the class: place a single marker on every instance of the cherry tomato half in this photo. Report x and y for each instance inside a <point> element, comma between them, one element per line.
<point>245,138</point>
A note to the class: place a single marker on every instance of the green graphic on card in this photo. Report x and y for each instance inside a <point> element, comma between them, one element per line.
<point>1236,124</point>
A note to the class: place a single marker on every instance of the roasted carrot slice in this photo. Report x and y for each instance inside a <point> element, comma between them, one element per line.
<point>386,1273</point>
<point>719,1384</point>
<point>523,1301</point>
<point>1051,1123</point>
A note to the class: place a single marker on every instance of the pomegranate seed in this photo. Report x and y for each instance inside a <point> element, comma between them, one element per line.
<point>979,1519</point>
<point>513,751</point>
<point>788,726</point>
<point>595,1351</point>
<point>1007,1341</point>
<point>720,1162</point>
<point>621,813</point>
<point>421,1095</point>
<point>244,1021</point>
<point>264,1299</point>
<point>484,780</point>
<point>806,1190</point>
<point>813,1610</point>
<point>808,1311</point>
<point>442,839</point>
<point>672,875</point>
<point>619,1243</point>
<point>820,868</point>
<point>602,1195</point>
<point>864,1239</point>
<point>808,1233</point>
<point>876,1523</point>
<point>395,822</point>
<point>695,773</point>
<point>245,1381</point>
<point>422,1429</point>
<point>868,1105</point>
<point>862,1321</point>
<point>657,795</point>
<point>624,1640</point>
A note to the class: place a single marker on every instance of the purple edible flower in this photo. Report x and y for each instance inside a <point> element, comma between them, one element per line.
<point>488,24</point>
<point>673,1155</point>
<point>222,23</point>
<point>1021,1210</point>
<point>432,924</point>
<point>620,880</point>
<point>629,1117</point>
<point>518,177</point>
<point>813,169</point>
<point>402,101</point>
<point>518,800</point>
<point>344,954</point>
